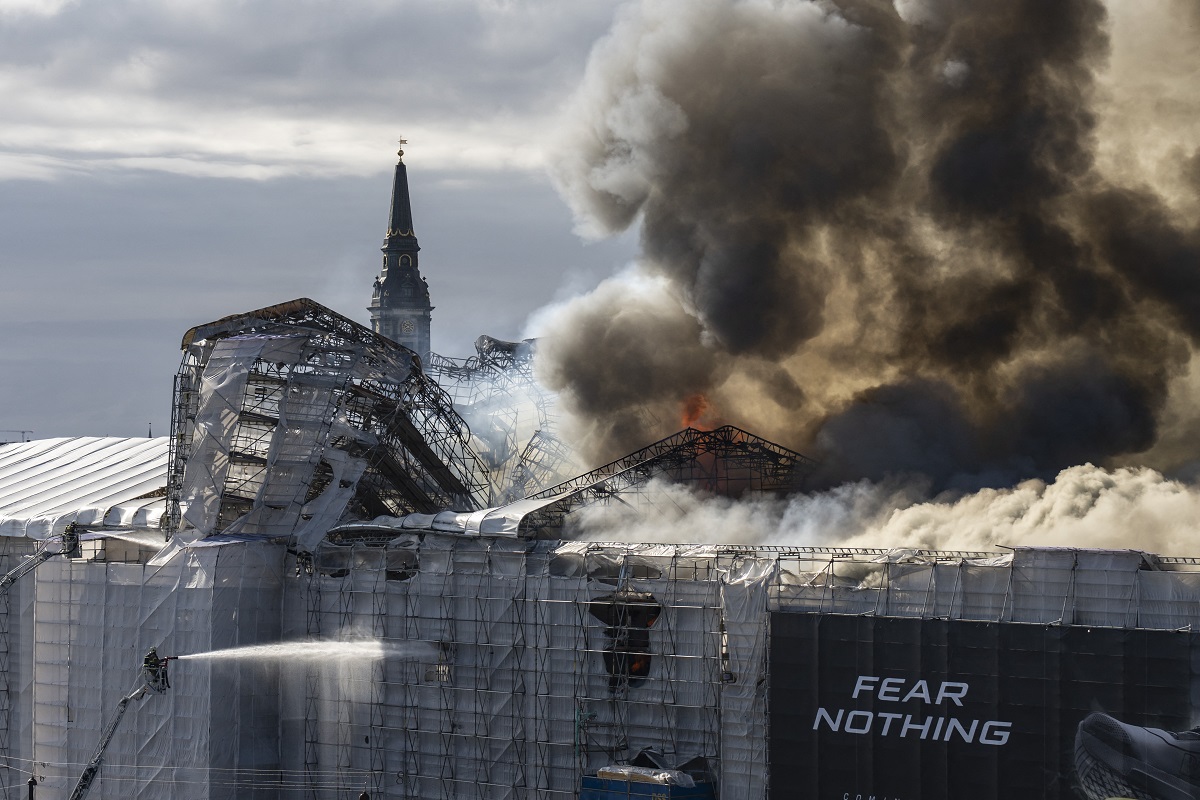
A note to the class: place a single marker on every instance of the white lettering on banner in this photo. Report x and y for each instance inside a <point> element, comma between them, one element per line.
<point>830,721</point>
<point>952,690</point>
<point>919,691</point>
<point>966,734</point>
<point>923,727</point>
<point>865,716</point>
<point>933,728</point>
<point>993,732</point>
<point>858,796</point>
<point>938,730</point>
<point>889,690</point>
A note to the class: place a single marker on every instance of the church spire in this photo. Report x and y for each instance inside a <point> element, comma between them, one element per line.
<point>400,308</point>
<point>400,224</point>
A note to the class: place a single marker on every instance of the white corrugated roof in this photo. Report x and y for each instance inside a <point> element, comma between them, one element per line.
<point>93,480</point>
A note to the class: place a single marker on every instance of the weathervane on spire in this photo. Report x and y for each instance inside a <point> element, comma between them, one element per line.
<point>400,152</point>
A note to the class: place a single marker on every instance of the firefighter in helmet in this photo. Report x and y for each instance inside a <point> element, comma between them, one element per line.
<point>153,665</point>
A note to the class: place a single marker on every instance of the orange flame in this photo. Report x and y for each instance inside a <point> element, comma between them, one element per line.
<point>694,407</point>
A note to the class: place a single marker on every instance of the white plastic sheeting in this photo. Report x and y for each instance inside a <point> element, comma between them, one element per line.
<point>222,387</point>
<point>1064,586</point>
<point>744,590</point>
<point>516,699</point>
<point>502,521</point>
<point>92,623</point>
<point>266,463</point>
<point>16,677</point>
<point>494,678</point>
<point>281,427</point>
<point>47,483</point>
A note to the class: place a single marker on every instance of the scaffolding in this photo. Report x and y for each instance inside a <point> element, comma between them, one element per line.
<point>323,488</point>
<point>1048,586</point>
<point>510,413</point>
<point>295,417</point>
<point>725,461</point>
<point>546,661</point>
<point>543,662</point>
<point>15,664</point>
<point>506,667</point>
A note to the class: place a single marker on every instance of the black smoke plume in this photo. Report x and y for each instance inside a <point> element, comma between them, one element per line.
<point>904,237</point>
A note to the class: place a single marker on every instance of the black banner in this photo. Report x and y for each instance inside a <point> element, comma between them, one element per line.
<point>909,709</point>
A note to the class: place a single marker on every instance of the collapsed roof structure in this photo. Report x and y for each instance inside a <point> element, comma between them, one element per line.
<point>323,488</point>
<point>305,419</point>
<point>725,461</point>
<point>510,413</point>
<point>302,416</point>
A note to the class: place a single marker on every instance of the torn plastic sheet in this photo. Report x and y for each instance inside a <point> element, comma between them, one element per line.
<point>222,388</point>
<point>305,410</point>
<point>323,511</point>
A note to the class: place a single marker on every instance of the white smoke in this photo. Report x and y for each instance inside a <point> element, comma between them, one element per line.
<point>1085,506</point>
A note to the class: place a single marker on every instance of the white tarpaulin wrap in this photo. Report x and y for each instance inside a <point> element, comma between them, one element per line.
<point>92,480</point>
<point>514,696</point>
<point>281,430</point>
<point>744,590</point>
<point>297,444</point>
<point>93,623</point>
<point>323,511</point>
<point>492,666</point>
<point>16,679</point>
<point>222,388</point>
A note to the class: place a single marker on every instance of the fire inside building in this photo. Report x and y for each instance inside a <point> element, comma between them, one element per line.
<point>361,564</point>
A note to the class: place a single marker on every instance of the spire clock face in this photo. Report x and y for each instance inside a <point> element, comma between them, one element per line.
<point>408,326</point>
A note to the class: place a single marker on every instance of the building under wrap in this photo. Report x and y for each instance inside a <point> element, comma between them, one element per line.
<point>323,494</point>
<point>508,668</point>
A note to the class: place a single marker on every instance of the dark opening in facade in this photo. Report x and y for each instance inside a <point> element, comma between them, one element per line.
<point>627,617</point>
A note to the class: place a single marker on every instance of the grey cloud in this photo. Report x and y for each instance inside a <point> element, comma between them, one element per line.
<point>421,58</point>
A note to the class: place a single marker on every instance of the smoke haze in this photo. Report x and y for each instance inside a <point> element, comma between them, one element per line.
<point>1084,506</point>
<point>936,237</point>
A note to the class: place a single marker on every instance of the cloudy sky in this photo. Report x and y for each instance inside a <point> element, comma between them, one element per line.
<point>164,163</point>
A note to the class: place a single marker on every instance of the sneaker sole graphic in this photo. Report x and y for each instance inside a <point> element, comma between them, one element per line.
<point>1098,782</point>
<point>1103,773</point>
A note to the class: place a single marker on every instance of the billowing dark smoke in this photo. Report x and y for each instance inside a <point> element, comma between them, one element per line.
<point>905,237</point>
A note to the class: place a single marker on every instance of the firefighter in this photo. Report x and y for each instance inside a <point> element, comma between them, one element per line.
<point>153,666</point>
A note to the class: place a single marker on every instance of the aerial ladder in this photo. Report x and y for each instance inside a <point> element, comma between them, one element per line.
<point>69,546</point>
<point>151,679</point>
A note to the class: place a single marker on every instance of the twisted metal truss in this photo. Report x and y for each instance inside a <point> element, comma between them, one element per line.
<point>301,313</point>
<point>423,460</point>
<point>495,390</point>
<point>374,404</point>
<point>726,461</point>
